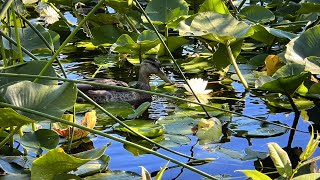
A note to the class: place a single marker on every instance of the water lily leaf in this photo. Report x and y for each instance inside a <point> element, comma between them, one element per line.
<point>115,175</point>
<point>9,117</point>
<point>257,14</point>
<point>174,42</point>
<point>258,60</point>
<point>49,99</point>
<point>251,154</point>
<point>197,64</point>
<point>122,109</point>
<point>103,19</point>
<point>267,35</point>
<point>121,6</point>
<point>82,107</point>
<point>56,161</point>
<point>314,91</point>
<point>140,110</point>
<point>256,129</point>
<point>308,7</point>
<point>31,67</point>
<point>181,126</point>
<point>284,85</point>
<point>250,78</point>
<point>217,6</point>
<point>185,25</point>
<point>165,11</point>
<point>282,102</point>
<point>308,176</point>
<point>42,138</point>
<point>174,140</point>
<point>9,168</point>
<point>223,28</point>
<point>280,159</point>
<point>106,34</point>
<point>62,28</point>
<point>254,174</point>
<point>209,131</point>
<point>306,45</point>
<point>66,176</point>
<point>273,63</point>
<point>93,166</point>
<point>144,127</point>
<point>145,41</point>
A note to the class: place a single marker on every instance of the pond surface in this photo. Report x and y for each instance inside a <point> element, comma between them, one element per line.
<point>229,155</point>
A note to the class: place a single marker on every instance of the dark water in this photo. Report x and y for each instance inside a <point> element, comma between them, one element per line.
<point>225,165</point>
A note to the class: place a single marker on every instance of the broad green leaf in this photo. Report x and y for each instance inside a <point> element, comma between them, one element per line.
<point>209,131</point>
<point>311,147</point>
<point>178,125</point>
<point>9,117</point>
<point>185,25</point>
<point>173,43</point>
<point>257,14</point>
<point>289,70</point>
<point>255,175</point>
<point>282,102</point>
<point>307,176</point>
<point>121,109</point>
<point>140,110</point>
<point>49,99</point>
<point>31,67</point>
<point>103,19</point>
<point>280,159</point>
<point>109,175</point>
<point>144,127</point>
<point>267,34</point>
<point>165,11</point>
<point>284,85</point>
<point>308,7</point>
<point>223,28</point>
<point>56,162</point>
<point>174,140</point>
<point>306,45</point>
<point>217,6</point>
<point>93,166</point>
<point>106,34</point>
<point>42,138</point>
<point>121,6</point>
<point>314,91</point>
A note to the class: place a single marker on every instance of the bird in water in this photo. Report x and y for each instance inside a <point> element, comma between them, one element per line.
<point>103,95</point>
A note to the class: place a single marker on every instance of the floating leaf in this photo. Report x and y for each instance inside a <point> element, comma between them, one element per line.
<point>9,117</point>
<point>209,131</point>
<point>282,102</point>
<point>254,174</point>
<point>165,11</point>
<point>144,127</point>
<point>216,6</point>
<point>115,175</point>
<point>49,99</point>
<point>106,34</point>
<point>56,161</point>
<point>42,138</point>
<point>273,63</point>
<point>93,166</point>
<point>280,159</point>
<point>257,14</point>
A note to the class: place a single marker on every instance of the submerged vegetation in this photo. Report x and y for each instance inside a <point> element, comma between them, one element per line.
<point>270,47</point>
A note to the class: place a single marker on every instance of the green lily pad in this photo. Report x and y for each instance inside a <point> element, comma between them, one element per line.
<point>257,14</point>
<point>56,161</point>
<point>82,107</point>
<point>314,91</point>
<point>174,43</point>
<point>9,117</point>
<point>31,67</point>
<point>282,102</point>
<point>182,126</point>
<point>223,28</point>
<point>140,110</point>
<point>308,7</point>
<point>256,129</point>
<point>209,131</point>
<point>120,175</point>
<point>93,166</point>
<point>121,109</point>
<point>144,127</point>
<point>216,6</point>
<point>101,34</point>
<point>165,11</point>
<point>306,45</point>
<point>49,99</point>
<point>267,34</point>
<point>174,140</point>
<point>42,138</point>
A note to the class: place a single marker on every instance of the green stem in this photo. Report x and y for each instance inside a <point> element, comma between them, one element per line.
<point>60,14</point>
<point>143,91</point>
<point>131,24</point>
<point>3,53</point>
<point>11,139</point>
<point>235,65</point>
<point>13,14</point>
<point>72,130</point>
<point>93,131</point>
<point>84,26</point>
<point>73,33</point>
<point>241,4</point>
<point>23,49</point>
<point>170,54</point>
<point>6,139</point>
<point>5,7</point>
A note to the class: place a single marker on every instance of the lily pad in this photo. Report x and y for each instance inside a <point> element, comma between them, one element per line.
<point>282,102</point>
<point>110,175</point>
<point>257,14</point>
<point>56,161</point>
<point>93,166</point>
<point>144,127</point>
<point>217,6</point>
<point>181,126</point>
<point>42,138</point>
<point>9,117</point>
<point>140,110</point>
<point>121,109</point>
<point>209,131</point>
<point>306,45</point>
<point>49,99</point>
<point>165,11</point>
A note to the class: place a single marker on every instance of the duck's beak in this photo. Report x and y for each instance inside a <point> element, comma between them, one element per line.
<point>163,76</point>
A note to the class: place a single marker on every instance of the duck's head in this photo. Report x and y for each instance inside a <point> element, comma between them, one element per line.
<point>152,66</point>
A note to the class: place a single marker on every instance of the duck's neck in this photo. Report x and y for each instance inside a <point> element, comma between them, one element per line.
<point>143,80</point>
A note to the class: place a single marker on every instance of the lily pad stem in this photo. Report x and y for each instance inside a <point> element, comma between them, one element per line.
<point>295,121</point>
<point>13,132</point>
<point>235,65</point>
<point>5,7</point>
<point>14,18</point>
<point>130,23</point>
<point>3,53</point>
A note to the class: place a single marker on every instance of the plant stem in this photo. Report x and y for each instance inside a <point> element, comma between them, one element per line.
<point>170,54</point>
<point>107,136</point>
<point>84,26</point>
<point>72,129</point>
<point>241,4</point>
<point>143,91</point>
<point>60,14</point>
<point>13,14</point>
<point>235,65</point>
<point>295,121</point>
<point>73,33</point>
<point>131,24</point>
<point>6,139</point>
<point>3,53</point>
<point>5,7</point>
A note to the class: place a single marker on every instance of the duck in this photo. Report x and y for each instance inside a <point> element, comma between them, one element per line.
<point>102,95</point>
